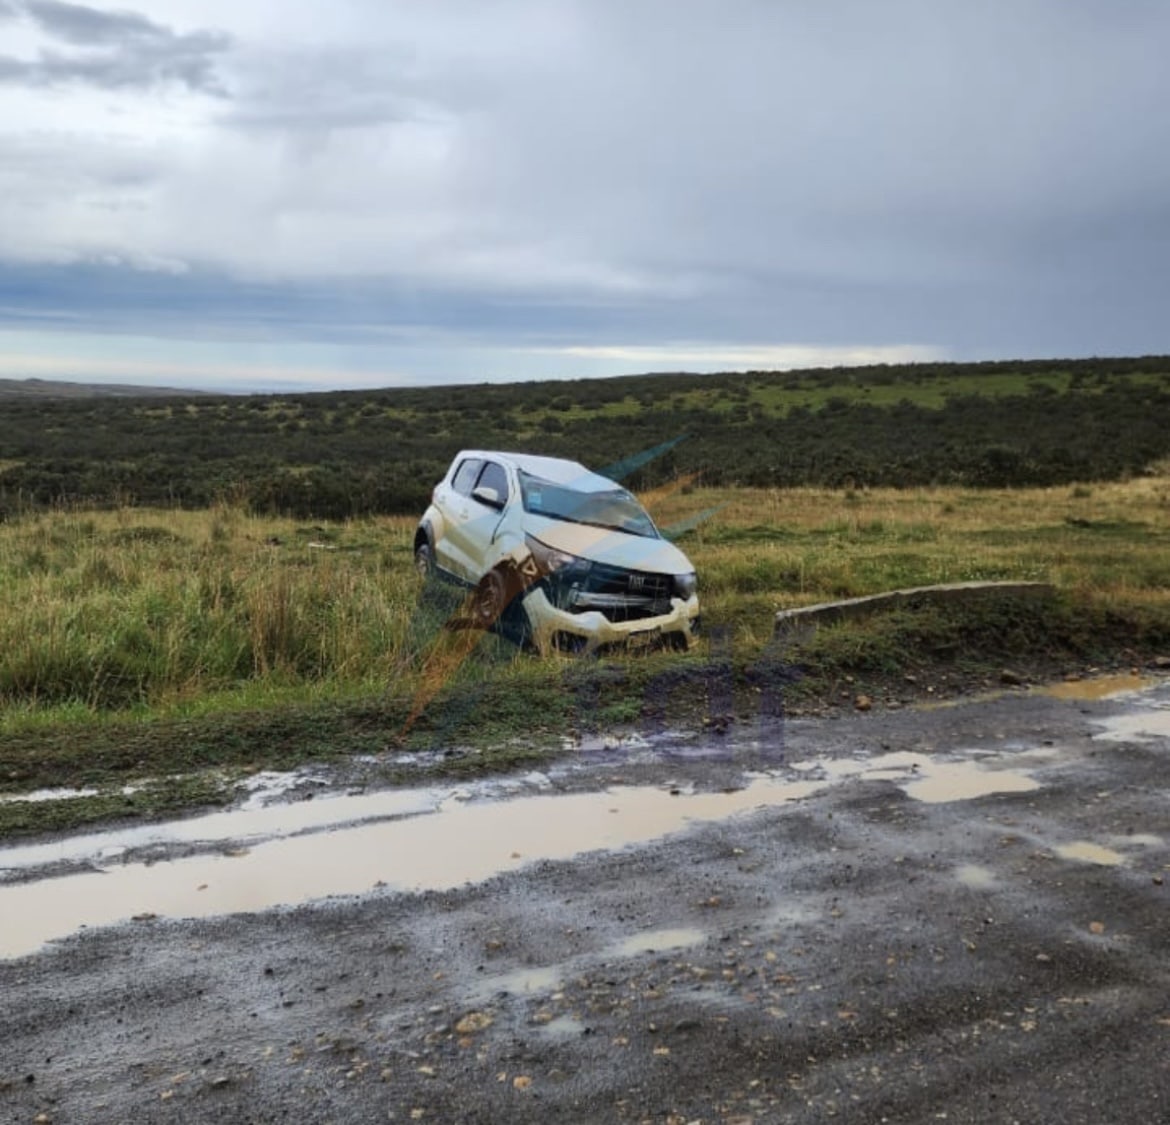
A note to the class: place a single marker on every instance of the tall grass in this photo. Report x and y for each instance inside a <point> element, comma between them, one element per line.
<point>163,610</point>
<point>139,608</point>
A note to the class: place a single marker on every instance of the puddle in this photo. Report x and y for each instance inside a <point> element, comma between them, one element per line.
<point>1141,726</point>
<point>928,779</point>
<point>658,941</point>
<point>540,981</point>
<point>1138,840</point>
<point>563,1027</point>
<point>412,840</point>
<point>247,823</point>
<point>267,786</point>
<point>457,843</point>
<point>38,795</point>
<point>791,913</point>
<point>1099,687</point>
<point>522,982</point>
<point>963,781</point>
<point>1085,851</point>
<point>976,877</point>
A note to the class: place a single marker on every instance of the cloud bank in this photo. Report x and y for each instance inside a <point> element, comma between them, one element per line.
<point>593,182</point>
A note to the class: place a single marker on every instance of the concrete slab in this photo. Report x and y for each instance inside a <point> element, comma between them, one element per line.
<point>805,620</point>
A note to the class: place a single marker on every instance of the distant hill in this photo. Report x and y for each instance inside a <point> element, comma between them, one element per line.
<point>341,454</point>
<point>55,388</point>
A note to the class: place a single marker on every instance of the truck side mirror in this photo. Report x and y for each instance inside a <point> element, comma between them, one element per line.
<point>485,494</point>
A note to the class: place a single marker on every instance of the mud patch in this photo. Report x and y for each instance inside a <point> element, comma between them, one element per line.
<point>536,981</point>
<point>1143,726</point>
<point>1085,851</point>
<point>1099,687</point>
<point>659,941</point>
<point>976,877</point>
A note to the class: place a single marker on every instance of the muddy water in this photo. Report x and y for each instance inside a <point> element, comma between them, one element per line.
<point>1137,726</point>
<point>659,941</point>
<point>928,779</point>
<point>1099,687</point>
<point>1148,722</point>
<point>244,824</point>
<point>430,844</point>
<point>544,979</point>
<point>414,840</point>
<point>1085,851</point>
<point>976,877</point>
<point>459,843</point>
<point>38,795</point>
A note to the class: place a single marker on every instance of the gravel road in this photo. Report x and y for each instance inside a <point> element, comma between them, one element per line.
<point>954,914</point>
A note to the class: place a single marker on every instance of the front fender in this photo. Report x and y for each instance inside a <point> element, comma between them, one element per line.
<point>512,554</point>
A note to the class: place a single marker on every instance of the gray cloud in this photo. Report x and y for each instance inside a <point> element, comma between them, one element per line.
<point>118,50</point>
<point>989,178</point>
<point>85,27</point>
<point>308,91</point>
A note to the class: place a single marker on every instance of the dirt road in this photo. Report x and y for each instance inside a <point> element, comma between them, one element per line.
<point>958,914</point>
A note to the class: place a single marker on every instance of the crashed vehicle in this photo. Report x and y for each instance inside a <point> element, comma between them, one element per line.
<point>559,557</point>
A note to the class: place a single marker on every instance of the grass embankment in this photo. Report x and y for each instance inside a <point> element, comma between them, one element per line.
<point>172,652</point>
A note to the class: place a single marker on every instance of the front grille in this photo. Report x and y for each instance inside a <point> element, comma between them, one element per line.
<point>603,579</point>
<point>618,593</point>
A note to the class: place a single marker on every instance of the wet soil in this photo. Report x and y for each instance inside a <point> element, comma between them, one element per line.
<point>951,913</point>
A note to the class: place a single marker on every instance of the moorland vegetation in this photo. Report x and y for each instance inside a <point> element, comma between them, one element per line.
<point>176,645</point>
<point>351,454</point>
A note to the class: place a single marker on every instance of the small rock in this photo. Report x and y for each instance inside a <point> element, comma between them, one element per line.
<point>521,1082</point>
<point>472,1022</point>
<point>863,703</point>
<point>1162,661</point>
<point>1012,679</point>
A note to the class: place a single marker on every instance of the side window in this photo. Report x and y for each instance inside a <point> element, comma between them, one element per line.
<point>464,480</point>
<point>493,476</point>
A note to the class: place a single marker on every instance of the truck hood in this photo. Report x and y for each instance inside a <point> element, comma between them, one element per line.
<point>615,548</point>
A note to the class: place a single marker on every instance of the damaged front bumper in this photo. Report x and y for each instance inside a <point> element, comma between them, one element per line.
<point>552,629</point>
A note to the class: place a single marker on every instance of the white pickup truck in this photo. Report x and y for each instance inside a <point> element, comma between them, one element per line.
<point>566,558</point>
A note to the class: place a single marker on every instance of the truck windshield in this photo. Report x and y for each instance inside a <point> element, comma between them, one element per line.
<point>617,510</point>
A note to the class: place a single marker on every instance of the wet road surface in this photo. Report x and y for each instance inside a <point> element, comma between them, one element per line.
<point>955,914</point>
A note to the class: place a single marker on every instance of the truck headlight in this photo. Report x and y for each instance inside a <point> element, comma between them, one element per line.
<point>551,561</point>
<point>685,585</point>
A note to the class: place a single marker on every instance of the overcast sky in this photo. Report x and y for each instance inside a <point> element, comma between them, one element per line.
<point>263,195</point>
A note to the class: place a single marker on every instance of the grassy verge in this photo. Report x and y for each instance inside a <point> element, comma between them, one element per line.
<point>175,652</point>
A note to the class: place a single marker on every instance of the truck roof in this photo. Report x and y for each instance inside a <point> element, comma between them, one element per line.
<point>557,470</point>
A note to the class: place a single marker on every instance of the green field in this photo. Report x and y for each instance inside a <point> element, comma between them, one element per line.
<point>179,650</point>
